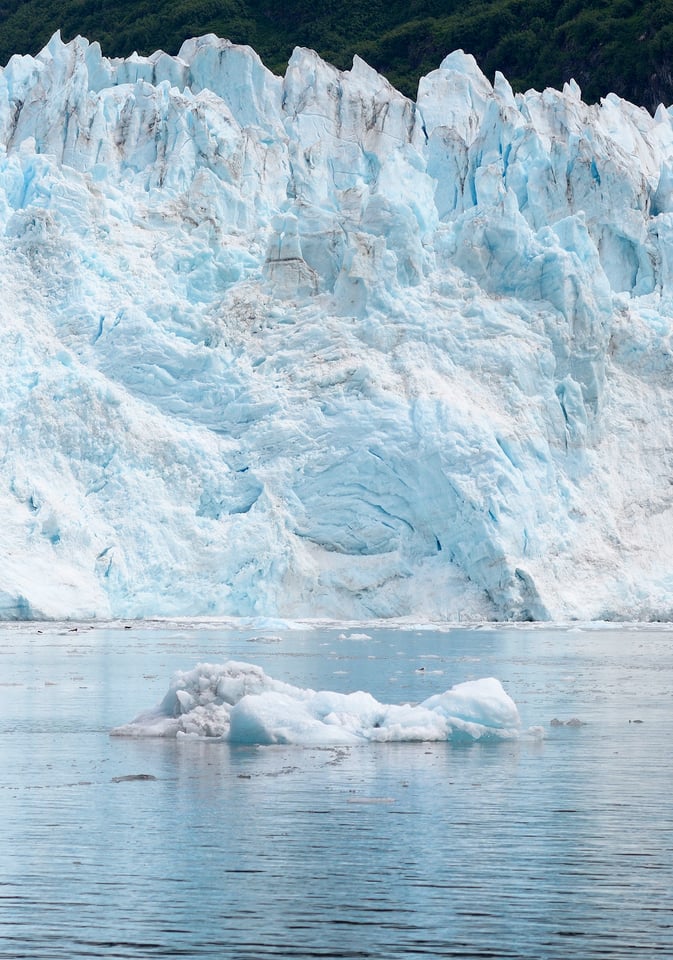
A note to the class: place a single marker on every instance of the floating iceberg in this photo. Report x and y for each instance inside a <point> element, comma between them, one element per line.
<point>239,703</point>
<point>301,347</point>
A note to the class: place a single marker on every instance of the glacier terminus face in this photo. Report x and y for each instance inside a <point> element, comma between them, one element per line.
<point>301,347</point>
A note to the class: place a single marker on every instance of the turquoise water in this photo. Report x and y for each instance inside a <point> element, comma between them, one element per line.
<point>554,849</point>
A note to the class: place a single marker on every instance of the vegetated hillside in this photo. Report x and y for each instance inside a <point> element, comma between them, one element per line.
<point>606,45</point>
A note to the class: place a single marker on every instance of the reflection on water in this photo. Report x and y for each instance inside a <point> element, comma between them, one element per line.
<point>561,849</point>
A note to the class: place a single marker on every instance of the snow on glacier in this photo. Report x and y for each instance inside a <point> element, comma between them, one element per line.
<point>238,702</point>
<point>301,347</point>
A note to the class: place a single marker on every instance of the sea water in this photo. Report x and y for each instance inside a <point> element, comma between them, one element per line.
<point>560,847</point>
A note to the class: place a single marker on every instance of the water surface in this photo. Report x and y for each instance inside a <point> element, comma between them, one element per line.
<point>150,848</point>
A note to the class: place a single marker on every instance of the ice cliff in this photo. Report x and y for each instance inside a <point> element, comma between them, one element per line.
<point>302,347</point>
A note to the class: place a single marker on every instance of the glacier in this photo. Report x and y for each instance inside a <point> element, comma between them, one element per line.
<point>239,703</point>
<point>301,347</point>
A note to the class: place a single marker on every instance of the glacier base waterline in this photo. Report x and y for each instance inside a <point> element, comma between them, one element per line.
<point>299,346</point>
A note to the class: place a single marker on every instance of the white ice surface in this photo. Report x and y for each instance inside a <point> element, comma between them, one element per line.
<point>301,347</point>
<point>238,702</point>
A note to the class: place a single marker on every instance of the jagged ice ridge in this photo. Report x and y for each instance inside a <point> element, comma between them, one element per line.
<point>302,347</point>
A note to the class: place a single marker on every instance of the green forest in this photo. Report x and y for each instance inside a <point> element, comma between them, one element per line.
<point>622,46</point>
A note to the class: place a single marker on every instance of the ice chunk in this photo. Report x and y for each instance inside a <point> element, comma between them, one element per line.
<point>238,702</point>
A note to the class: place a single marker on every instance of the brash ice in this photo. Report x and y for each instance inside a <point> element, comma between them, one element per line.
<point>300,346</point>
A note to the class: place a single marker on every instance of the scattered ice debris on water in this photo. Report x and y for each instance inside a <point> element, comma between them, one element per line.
<point>239,703</point>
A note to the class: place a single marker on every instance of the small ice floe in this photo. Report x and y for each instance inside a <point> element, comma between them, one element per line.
<point>354,636</point>
<point>574,722</point>
<point>238,702</point>
<point>131,777</point>
<point>366,800</point>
